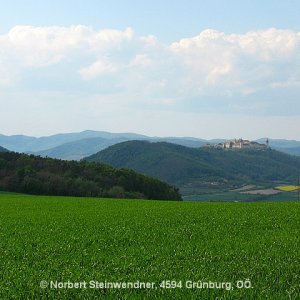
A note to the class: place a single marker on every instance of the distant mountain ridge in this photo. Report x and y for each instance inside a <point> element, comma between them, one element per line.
<point>23,143</point>
<point>75,146</point>
<point>292,151</point>
<point>200,167</point>
<point>76,150</point>
<point>280,143</point>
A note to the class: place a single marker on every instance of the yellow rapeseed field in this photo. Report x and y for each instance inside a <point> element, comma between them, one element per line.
<point>287,188</point>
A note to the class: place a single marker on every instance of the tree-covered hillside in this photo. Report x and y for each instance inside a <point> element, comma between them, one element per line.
<point>291,151</point>
<point>3,149</point>
<point>183,166</point>
<point>45,176</point>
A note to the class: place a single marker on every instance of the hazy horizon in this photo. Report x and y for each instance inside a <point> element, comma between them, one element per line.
<point>151,136</point>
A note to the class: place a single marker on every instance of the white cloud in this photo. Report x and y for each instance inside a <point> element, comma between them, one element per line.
<point>141,60</point>
<point>268,45</point>
<point>42,46</point>
<point>210,71</point>
<point>237,61</point>
<point>108,39</point>
<point>98,68</point>
<point>150,41</point>
<point>34,47</point>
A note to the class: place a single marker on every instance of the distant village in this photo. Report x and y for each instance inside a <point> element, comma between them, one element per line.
<point>238,144</point>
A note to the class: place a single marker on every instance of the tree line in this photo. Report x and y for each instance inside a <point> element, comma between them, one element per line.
<point>46,176</point>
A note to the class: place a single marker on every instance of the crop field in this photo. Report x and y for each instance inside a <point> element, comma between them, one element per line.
<point>288,188</point>
<point>232,196</point>
<point>184,250</point>
<point>248,193</point>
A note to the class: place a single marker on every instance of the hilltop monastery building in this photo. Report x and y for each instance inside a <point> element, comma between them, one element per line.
<point>239,144</point>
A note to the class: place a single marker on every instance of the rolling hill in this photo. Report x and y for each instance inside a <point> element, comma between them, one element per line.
<point>78,149</point>
<point>291,147</point>
<point>3,149</point>
<point>75,146</point>
<point>44,176</point>
<point>292,151</point>
<point>199,167</point>
<point>23,143</point>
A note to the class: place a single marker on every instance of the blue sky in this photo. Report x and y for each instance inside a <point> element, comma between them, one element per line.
<point>208,69</point>
<point>168,20</point>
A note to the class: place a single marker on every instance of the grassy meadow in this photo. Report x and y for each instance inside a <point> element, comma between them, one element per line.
<point>88,239</point>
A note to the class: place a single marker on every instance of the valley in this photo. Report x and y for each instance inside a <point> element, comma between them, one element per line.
<point>202,170</point>
<point>208,173</point>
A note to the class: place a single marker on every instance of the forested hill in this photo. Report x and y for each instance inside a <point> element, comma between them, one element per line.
<point>3,149</point>
<point>46,176</point>
<point>183,166</point>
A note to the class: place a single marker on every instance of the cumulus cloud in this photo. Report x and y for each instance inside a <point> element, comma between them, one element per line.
<point>239,62</point>
<point>38,47</point>
<point>97,68</point>
<point>41,46</point>
<point>197,69</point>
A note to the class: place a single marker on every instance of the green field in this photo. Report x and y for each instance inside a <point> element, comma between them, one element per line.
<point>83,239</point>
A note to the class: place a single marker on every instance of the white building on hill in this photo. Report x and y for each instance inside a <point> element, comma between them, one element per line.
<point>244,144</point>
<point>239,144</point>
